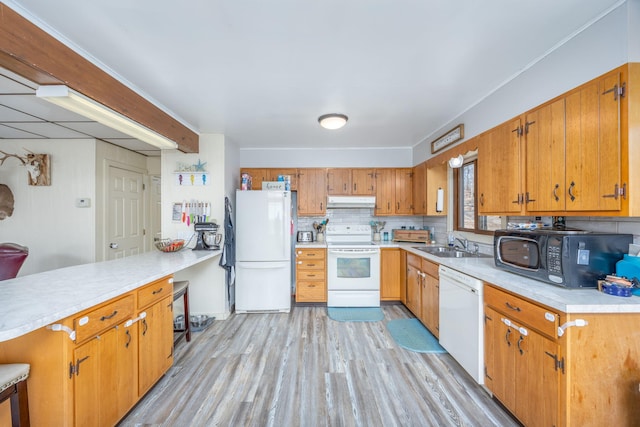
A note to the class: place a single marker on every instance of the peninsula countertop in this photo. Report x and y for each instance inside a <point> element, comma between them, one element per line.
<point>33,301</point>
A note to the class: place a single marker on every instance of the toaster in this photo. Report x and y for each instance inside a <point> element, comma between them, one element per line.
<point>305,236</point>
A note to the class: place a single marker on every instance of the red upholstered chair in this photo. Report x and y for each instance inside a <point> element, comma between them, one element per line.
<point>12,257</point>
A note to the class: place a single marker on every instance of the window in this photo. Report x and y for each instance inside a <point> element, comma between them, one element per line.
<point>466,213</point>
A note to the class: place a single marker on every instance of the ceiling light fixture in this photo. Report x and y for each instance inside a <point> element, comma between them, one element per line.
<point>456,162</point>
<point>78,103</point>
<point>333,121</point>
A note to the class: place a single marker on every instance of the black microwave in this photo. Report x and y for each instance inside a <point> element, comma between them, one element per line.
<point>568,258</point>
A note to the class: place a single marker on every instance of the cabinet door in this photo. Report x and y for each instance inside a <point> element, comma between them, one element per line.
<point>292,173</point>
<point>403,191</point>
<point>385,194</point>
<point>87,394</point>
<point>413,289</point>
<point>499,358</point>
<point>545,158</point>
<point>312,191</point>
<point>155,344</point>
<point>436,179</point>
<point>363,182</point>
<point>257,176</point>
<point>419,184</point>
<point>431,304</point>
<point>339,181</point>
<point>593,147</point>
<point>126,364</point>
<point>499,160</point>
<point>536,379</point>
<point>390,274</point>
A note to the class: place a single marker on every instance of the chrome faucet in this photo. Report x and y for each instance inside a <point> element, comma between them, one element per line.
<point>464,242</point>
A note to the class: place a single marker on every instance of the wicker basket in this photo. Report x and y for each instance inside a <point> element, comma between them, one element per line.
<point>168,245</point>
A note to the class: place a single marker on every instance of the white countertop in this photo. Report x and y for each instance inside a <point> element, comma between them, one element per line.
<point>37,300</point>
<point>562,299</point>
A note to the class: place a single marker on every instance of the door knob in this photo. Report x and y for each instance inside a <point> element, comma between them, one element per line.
<point>113,245</point>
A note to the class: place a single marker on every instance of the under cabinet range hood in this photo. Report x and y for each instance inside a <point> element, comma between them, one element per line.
<point>341,202</point>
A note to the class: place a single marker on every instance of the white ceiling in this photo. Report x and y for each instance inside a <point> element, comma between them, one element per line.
<point>261,72</point>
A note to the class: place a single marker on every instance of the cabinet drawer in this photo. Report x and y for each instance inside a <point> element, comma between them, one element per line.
<point>310,264</point>
<point>311,291</point>
<point>414,260</point>
<point>155,291</point>
<point>522,311</point>
<point>102,318</point>
<point>431,268</point>
<point>310,253</point>
<point>311,275</point>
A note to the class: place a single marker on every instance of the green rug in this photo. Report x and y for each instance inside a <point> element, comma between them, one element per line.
<point>355,314</point>
<point>412,335</point>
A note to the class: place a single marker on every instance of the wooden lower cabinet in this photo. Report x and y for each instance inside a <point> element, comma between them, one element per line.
<point>423,291</point>
<point>311,275</point>
<point>586,376</point>
<point>94,380</point>
<point>390,274</point>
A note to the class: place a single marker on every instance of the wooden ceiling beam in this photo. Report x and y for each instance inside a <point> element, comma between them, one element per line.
<point>32,53</point>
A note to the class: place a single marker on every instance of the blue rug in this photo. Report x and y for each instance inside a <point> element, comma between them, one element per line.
<point>355,314</point>
<point>412,335</point>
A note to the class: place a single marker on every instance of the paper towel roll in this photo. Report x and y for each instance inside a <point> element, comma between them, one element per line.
<point>440,200</point>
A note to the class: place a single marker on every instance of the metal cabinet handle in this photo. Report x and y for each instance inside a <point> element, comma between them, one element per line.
<point>555,192</point>
<point>512,307</point>
<point>519,345</point>
<point>128,339</point>
<point>571,186</point>
<point>527,199</point>
<point>78,362</point>
<point>481,199</point>
<point>344,186</point>
<point>506,337</point>
<point>103,318</point>
<point>145,326</point>
<point>157,291</point>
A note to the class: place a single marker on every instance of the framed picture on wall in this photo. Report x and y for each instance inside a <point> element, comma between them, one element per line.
<point>455,134</point>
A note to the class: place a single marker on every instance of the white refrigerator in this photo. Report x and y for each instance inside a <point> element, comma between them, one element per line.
<point>263,251</point>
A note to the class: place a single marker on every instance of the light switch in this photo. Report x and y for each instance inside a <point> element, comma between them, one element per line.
<point>83,202</point>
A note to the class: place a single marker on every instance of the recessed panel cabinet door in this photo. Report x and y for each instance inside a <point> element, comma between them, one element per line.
<point>155,349</point>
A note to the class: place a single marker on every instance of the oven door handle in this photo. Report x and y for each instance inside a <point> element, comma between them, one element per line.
<point>354,251</point>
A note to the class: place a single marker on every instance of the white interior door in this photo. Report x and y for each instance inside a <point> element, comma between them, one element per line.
<point>125,213</point>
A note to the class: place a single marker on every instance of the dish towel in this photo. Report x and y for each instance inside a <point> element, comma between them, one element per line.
<point>228,258</point>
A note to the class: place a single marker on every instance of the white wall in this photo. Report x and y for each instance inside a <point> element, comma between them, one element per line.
<point>596,50</point>
<point>45,218</point>
<point>207,280</point>
<point>325,157</point>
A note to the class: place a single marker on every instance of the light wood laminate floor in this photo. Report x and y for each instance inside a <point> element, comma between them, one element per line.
<point>304,369</point>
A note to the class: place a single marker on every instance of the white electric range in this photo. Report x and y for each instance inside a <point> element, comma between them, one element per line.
<point>353,266</point>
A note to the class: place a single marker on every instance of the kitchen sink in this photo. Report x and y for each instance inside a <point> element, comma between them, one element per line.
<point>447,252</point>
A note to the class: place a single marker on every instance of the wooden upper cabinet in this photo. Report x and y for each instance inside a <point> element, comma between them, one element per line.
<point>593,151</point>
<point>363,182</point>
<point>385,191</point>
<point>403,191</point>
<point>499,170</point>
<point>258,175</point>
<point>436,179</point>
<point>545,158</point>
<point>312,191</point>
<point>339,181</point>
<point>273,174</point>
<point>419,184</point>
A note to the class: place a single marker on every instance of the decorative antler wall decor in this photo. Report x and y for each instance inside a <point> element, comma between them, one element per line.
<point>37,166</point>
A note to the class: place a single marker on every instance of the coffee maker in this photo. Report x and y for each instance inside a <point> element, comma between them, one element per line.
<point>208,239</point>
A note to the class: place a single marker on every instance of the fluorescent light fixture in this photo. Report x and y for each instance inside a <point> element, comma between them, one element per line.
<point>456,162</point>
<point>333,121</point>
<point>74,101</point>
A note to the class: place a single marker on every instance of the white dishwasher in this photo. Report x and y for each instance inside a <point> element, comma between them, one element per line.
<point>461,320</point>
